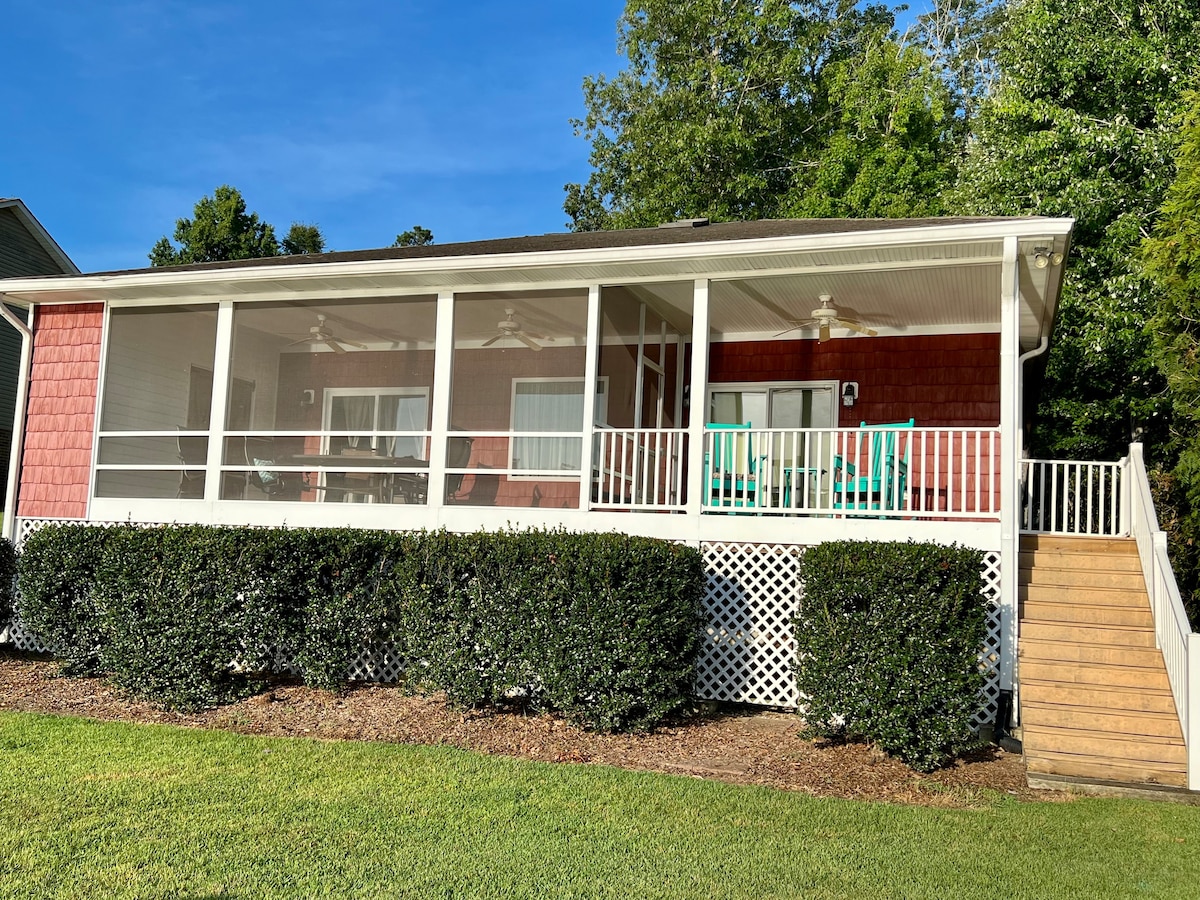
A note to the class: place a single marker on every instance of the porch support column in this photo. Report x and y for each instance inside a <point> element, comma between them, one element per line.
<point>698,394</point>
<point>443,384</point>
<point>591,375</point>
<point>222,359</point>
<point>1010,458</point>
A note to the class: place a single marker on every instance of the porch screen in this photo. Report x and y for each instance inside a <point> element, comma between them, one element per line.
<point>549,406</point>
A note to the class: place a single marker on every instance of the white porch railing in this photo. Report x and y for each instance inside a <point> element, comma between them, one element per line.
<point>931,473</point>
<point>639,469</point>
<point>1071,497</point>
<point>1180,645</point>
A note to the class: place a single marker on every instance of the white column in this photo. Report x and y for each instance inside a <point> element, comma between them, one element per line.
<point>698,411</point>
<point>443,384</point>
<point>222,360</point>
<point>591,373</point>
<point>1193,711</point>
<point>1010,456</point>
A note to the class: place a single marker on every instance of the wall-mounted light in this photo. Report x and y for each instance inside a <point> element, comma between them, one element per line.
<point>308,397</point>
<point>1046,256</point>
<point>849,393</point>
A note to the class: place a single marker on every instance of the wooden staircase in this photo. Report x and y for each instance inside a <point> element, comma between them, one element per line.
<point>1095,702</point>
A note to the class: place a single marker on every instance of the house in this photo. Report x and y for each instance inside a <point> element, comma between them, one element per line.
<point>750,388</point>
<point>25,249</point>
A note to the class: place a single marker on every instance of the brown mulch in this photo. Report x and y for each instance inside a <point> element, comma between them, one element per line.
<point>739,746</point>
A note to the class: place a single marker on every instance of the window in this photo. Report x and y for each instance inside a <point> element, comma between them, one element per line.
<point>551,405</point>
<point>377,410</point>
<point>796,405</point>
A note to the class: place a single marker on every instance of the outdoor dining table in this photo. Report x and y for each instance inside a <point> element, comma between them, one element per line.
<point>380,484</point>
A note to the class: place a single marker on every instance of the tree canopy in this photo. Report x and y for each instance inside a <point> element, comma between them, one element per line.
<point>1082,123</point>
<point>221,229</point>
<point>735,110</point>
<point>414,237</point>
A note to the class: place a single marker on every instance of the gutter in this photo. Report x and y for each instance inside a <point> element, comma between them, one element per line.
<point>18,433</point>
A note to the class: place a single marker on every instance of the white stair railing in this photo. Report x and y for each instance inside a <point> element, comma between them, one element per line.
<point>1180,645</point>
<point>639,469</point>
<point>1071,497</point>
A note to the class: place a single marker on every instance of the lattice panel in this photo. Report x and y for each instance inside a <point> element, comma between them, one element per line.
<point>747,651</point>
<point>752,592</point>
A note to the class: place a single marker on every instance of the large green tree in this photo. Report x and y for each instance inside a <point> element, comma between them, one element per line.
<point>738,110</point>
<point>1082,123</point>
<point>222,229</point>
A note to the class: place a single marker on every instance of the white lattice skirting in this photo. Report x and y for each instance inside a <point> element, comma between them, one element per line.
<point>753,592</point>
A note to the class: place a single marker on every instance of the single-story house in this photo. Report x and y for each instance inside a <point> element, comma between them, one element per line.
<point>750,388</point>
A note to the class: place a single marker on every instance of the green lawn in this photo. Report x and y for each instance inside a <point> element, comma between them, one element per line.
<point>101,810</point>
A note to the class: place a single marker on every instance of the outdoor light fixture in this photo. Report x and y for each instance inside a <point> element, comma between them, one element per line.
<point>308,397</point>
<point>849,393</point>
<point>1045,256</point>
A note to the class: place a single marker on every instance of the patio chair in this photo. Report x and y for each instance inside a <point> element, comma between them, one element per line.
<point>885,487</point>
<point>732,470</point>
<point>261,457</point>
<point>458,455</point>
<point>193,453</point>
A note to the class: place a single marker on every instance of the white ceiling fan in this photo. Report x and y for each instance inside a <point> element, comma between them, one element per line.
<point>825,316</point>
<point>319,334</point>
<point>511,328</point>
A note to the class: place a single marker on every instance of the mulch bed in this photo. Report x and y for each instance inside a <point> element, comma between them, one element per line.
<point>740,746</point>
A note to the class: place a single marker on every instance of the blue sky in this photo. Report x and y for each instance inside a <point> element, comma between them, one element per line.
<point>362,117</point>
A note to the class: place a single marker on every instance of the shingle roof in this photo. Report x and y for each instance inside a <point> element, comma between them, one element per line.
<point>589,240</point>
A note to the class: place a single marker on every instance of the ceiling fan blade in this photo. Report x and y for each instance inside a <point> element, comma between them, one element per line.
<point>350,343</point>
<point>489,343</point>
<point>334,345</point>
<point>861,329</point>
<point>795,327</point>
<point>824,334</point>
<point>525,339</point>
<point>303,340</point>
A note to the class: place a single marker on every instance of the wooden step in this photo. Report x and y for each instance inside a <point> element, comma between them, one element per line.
<point>1089,577</point>
<point>1107,720</point>
<point>1104,654</point>
<point>1115,635</point>
<point>1085,742</point>
<point>1094,675</point>
<point>1088,767</point>
<point>1056,543</point>
<point>1087,613</point>
<point>1112,562</point>
<point>1092,596</point>
<point>1053,693</point>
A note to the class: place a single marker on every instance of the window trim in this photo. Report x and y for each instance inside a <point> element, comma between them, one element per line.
<point>599,416</point>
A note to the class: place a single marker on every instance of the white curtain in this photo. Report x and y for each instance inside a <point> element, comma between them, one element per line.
<point>410,415</point>
<point>548,406</point>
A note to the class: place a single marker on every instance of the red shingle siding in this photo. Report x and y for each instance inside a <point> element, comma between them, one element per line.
<point>948,380</point>
<point>60,417</point>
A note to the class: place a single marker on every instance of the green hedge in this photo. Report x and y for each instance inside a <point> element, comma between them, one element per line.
<point>600,628</point>
<point>888,640</point>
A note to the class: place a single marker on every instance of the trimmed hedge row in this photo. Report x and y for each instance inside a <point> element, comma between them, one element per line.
<point>888,639</point>
<point>8,572</point>
<point>601,628</point>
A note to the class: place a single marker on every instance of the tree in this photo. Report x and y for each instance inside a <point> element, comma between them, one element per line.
<point>1081,124</point>
<point>414,237</point>
<point>221,229</point>
<point>736,110</point>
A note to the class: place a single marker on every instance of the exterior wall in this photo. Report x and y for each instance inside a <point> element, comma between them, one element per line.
<point>948,380</point>
<point>60,419</point>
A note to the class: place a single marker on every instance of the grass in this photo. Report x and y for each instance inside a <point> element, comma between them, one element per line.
<point>93,809</point>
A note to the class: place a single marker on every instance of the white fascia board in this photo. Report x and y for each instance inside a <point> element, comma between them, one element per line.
<point>76,289</point>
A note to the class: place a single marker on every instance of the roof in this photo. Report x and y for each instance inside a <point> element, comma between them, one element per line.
<point>40,234</point>
<point>671,233</point>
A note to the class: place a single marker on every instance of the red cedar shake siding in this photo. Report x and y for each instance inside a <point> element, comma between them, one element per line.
<point>947,380</point>
<point>60,418</point>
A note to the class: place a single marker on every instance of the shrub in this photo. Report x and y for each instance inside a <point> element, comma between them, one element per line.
<point>601,628</point>
<point>56,579</point>
<point>888,639</point>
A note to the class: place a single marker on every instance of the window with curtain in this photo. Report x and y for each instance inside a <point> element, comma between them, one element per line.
<point>551,405</point>
<point>377,410</point>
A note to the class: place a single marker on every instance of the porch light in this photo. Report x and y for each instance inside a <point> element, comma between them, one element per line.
<point>849,393</point>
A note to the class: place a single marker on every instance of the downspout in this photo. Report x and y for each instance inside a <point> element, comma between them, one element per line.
<point>18,433</point>
<point>1004,704</point>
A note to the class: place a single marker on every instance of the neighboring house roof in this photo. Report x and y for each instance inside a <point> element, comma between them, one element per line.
<point>26,248</point>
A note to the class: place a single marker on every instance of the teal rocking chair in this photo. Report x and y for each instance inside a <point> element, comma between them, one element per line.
<point>885,487</point>
<point>732,469</point>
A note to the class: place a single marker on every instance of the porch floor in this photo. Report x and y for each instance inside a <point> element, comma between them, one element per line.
<point>1095,701</point>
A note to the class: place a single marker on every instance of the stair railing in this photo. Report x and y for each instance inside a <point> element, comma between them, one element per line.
<point>1173,633</point>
